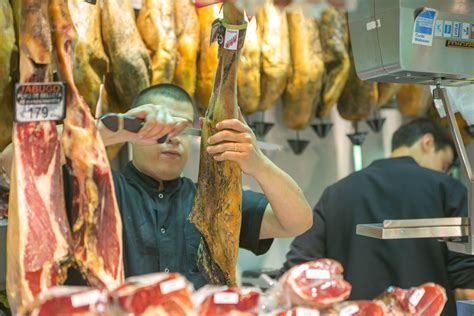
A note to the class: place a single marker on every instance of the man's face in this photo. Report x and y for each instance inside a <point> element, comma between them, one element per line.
<point>166,161</point>
<point>440,160</point>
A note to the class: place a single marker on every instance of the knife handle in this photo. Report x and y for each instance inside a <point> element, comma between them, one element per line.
<point>116,122</point>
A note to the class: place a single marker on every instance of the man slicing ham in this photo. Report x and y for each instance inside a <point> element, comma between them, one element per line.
<point>155,200</point>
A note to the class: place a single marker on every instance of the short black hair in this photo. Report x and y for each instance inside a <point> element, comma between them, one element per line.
<point>411,132</point>
<point>162,89</point>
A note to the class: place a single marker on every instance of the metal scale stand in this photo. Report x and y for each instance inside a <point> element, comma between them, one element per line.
<point>451,230</point>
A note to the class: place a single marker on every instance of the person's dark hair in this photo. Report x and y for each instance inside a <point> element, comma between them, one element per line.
<point>163,89</point>
<point>411,132</point>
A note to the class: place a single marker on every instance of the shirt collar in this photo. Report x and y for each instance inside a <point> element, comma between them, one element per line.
<point>151,185</point>
<point>398,160</point>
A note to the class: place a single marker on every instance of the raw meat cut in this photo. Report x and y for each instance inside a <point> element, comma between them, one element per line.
<point>8,52</point>
<point>273,32</point>
<point>414,100</point>
<point>156,25</point>
<point>97,226</point>
<point>425,300</point>
<point>299,311</point>
<point>207,61</point>
<point>334,37</point>
<point>356,308</point>
<point>129,59</point>
<point>359,97</point>
<point>90,63</point>
<point>70,300</point>
<point>386,92</point>
<point>153,294</point>
<point>38,237</point>
<point>217,210</point>
<point>306,72</point>
<point>248,81</point>
<point>316,284</point>
<point>231,302</point>
<point>187,33</point>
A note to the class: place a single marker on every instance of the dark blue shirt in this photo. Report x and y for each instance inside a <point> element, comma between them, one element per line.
<point>157,234</point>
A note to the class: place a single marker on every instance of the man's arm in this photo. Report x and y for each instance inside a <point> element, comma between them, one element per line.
<point>288,213</point>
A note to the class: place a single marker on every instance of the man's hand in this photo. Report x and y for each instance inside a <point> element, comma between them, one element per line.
<point>236,142</point>
<point>158,123</point>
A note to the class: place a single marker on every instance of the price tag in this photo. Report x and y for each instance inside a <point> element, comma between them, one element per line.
<point>35,102</point>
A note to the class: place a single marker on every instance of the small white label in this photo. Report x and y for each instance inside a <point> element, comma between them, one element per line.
<point>231,39</point>
<point>301,311</point>
<point>439,28</point>
<point>423,29</point>
<point>172,285</point>
<point>371,25</point>
<point>87,298</point>
<point>466,31</point>
<point>318,274</point>
<point>226,298</point>
<point>448,29</point>
<point>136,4</point>
<point>457,28</point>
<point>36,102</point>
<point>349,310</point>
<point>416,296</point>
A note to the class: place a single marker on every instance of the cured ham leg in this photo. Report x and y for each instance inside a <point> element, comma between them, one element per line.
<point>38,237</point>
<point>217,206</point>
<point>97,227</point>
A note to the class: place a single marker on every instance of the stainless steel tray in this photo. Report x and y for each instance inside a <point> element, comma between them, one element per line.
<point>453,227</point>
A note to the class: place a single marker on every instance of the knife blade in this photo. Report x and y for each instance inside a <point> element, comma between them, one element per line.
<point>115,122</point>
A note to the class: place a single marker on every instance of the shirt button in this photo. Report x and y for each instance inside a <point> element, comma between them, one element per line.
<point>163,230</point>
<point>167,270</point>
<point>160,195</point>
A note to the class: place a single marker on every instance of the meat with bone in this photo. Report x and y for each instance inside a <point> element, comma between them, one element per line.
<point>8,52</point>
<point>231,302</point>
<point>153,294</point>
<point>129,58</point>
<point>97,226</point>
<point>38,236</point>
<point>356,308</point>
<point>316,284</point>
<point>91,63</point>
<point>306,73</point>
<point>334,37</point>
<point>217,210</point>
<point>187,33</point>
<point>156,25</point>
<point>273,29</point>
<point>425,300</point>
<point>207,61</point>
<point>70,300</point>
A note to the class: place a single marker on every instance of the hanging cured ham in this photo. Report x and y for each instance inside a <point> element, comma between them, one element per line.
<point>386,92</point>
<point>306,73</point>
<point>273,29</point>
<point>38,237</point>
<point>334,38</point>
<point>359,98</point>
<point>156,25</point>
<point>248,81</point>
<point>207,62</point>
<point>8,52</point>
<point>217,206</point>
<point>187,33</point>
<point>97,226</point>
<point>129,60</point>
<point>91,63</point>
<point>414,100</point>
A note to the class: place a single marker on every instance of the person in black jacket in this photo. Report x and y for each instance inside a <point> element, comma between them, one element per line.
<point>410,184</point>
